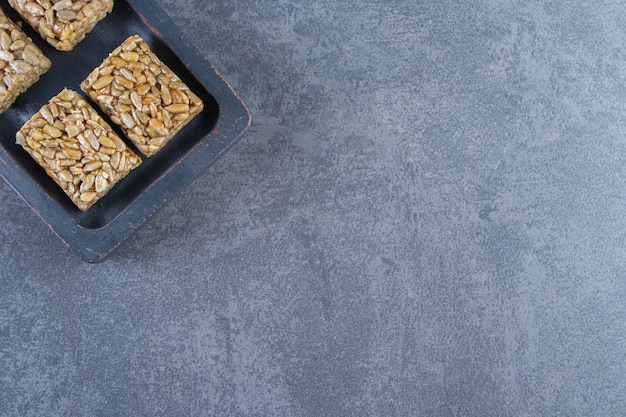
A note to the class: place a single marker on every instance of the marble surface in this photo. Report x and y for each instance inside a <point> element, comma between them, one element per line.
<point>426,218</point>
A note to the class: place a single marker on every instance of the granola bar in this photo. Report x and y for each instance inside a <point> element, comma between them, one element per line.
<point>142,95</point>
<point>63,23</point>
<point>21,62</point>
<point>77,148</point>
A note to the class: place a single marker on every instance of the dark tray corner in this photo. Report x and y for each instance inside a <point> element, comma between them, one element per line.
<point>95,233</point>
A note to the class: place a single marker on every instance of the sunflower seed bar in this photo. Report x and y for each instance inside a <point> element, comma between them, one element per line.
<point>63,23</point>
<point>77,148</point>
<point>21,62</point>
<point>142,95</point>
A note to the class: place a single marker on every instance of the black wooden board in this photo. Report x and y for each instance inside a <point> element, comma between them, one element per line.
<point>95,233</point>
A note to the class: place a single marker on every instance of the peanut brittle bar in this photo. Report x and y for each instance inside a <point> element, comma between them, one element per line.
<point>21,62</point>
<point>63,23</point>
<point>142,95</point>
<point>77,148</point>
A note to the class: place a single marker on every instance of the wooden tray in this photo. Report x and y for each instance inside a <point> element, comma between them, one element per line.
<point>95,233</point>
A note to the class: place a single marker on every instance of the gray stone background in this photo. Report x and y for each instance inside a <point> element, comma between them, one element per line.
<point>426,218</point>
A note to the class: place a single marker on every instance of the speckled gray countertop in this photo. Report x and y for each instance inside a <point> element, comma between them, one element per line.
<point>427,217</point>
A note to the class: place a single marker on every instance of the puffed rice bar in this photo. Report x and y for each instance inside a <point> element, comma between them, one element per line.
<point>21,62</point>
<point>77,148</point>
<point>63,23</point>
<point>142,95</point>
